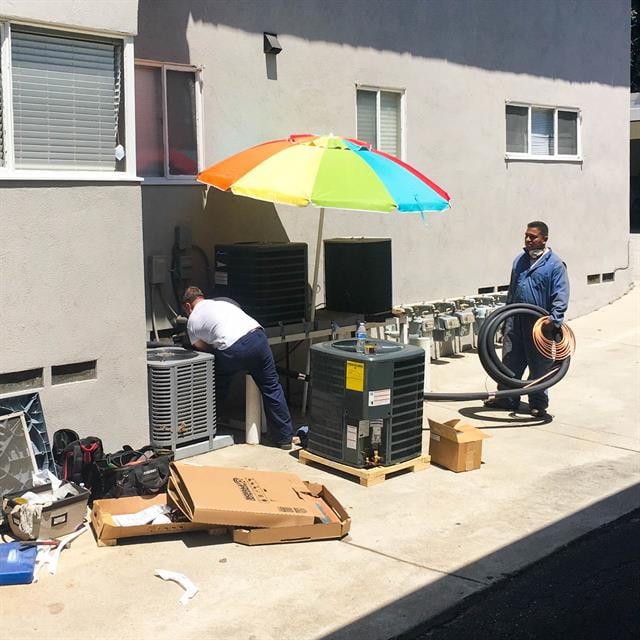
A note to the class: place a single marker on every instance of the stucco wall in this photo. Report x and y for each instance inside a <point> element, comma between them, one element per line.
<point>459,63</point>
<point>116,16</point>
<point>71,284</point>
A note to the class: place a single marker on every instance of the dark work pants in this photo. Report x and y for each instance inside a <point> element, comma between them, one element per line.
<point>252,354</point>
<point>519,352</point>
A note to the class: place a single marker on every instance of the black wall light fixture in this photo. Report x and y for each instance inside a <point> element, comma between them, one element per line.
<point>271,44</point>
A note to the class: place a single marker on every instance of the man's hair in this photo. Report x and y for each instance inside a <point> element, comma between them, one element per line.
<point>538,224</point>
<point>191,294</point>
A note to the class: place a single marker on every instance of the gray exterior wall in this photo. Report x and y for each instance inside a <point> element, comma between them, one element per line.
<point>71,275</point>
<point>458,63</point>
<point>71,262</point>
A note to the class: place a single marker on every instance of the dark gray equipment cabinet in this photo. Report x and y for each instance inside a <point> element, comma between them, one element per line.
<point>268,280</point>
<point>366,409</point>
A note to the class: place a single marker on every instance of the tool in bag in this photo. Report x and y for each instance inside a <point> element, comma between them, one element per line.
<point>132,472</point>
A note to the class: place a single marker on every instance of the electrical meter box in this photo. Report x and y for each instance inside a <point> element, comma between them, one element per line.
<point>366,408</point>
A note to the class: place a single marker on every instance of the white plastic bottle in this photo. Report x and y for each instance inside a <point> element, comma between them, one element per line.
<point>361,336</point>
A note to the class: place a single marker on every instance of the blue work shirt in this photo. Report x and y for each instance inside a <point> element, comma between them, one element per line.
<point>544,283</point>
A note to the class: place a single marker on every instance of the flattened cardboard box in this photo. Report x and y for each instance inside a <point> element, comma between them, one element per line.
<point>335,523</point>
<point>106,529</point>
<point>266,507</point>
<point>455,445</point>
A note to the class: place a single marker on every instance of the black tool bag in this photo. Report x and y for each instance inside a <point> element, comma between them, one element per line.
<point>76,458</point>
<point>132,472</point>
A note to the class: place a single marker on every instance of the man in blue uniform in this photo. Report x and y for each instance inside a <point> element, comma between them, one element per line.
<point>539,277</point>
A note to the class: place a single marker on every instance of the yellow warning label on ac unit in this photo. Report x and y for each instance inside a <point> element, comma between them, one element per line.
<point>354,376</point>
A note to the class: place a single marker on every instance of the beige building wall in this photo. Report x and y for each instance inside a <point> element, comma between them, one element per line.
<point>458,63</point>
<point>71,275</point>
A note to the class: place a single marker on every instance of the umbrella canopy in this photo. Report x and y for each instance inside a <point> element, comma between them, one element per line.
<point>326,171</point>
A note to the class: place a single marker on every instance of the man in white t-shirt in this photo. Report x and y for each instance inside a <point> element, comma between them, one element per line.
<point>239,343</point>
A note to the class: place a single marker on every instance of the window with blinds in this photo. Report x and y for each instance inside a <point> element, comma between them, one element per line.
<point>379,119</point>
<point>66,101</point>
<point>542,132</point>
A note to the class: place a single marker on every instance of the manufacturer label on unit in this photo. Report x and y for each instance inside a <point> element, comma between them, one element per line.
<point>352,436</point>
<point>354,376</point>
<point>222,277</point>
<point>379,398</point>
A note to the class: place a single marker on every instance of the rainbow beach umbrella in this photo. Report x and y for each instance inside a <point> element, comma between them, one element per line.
<point>326,172</point>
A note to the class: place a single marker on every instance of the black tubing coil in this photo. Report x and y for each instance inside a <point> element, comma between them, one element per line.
<point>494,366</point>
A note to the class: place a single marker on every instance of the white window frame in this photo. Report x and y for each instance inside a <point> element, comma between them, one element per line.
<point>197,71</point>
<point>8,171</point>
<point>403,119</point>
<point>510,155</point>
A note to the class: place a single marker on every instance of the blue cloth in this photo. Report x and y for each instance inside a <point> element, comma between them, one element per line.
<point>252,354</point>
<point>543,283</point>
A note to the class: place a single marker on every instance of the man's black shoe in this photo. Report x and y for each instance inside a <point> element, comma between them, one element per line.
<point>285,446</point>
<point>541,414</point>
<point>504,403</point>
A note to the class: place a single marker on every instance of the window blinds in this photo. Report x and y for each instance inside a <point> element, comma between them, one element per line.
<point>542,143</point>
<point>66,99</point>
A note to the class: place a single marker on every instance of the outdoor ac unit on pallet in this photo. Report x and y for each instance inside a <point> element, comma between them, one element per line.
<point>182,409</point>
<point>366,409</point>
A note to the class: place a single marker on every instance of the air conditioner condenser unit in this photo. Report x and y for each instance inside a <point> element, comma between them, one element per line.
<point>182,409</point>
<point>366,408</point>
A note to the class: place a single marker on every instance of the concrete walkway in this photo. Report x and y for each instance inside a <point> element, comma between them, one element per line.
<point>419,542</point>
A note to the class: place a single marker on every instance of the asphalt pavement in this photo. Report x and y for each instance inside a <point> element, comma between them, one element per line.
<point>589,589</point>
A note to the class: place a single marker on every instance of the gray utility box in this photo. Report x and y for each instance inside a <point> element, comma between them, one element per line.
<point>366,409</point>
<point>182,407</point>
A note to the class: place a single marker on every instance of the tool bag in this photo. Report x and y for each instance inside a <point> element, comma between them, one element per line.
<point>76,459</point>
<point>132,472</point>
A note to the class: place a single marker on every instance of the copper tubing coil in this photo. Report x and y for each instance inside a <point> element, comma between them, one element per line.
<point>551,349</point>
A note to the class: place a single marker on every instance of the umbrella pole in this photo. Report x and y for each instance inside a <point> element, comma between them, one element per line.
<point>312,314</point>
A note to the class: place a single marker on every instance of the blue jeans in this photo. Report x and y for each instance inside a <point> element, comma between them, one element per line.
<point>252,354</point>
<point>519,352</point>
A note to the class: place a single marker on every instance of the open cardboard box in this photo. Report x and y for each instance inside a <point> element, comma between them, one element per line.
<point>264,507</point>
<point>456,445</point>
<point>106,529</point>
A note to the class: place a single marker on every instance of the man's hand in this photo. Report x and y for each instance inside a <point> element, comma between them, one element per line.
<point>548,329</point>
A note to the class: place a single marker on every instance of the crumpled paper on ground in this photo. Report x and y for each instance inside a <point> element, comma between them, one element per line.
<point>182,580</point>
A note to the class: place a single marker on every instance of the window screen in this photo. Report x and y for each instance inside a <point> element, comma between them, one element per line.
<point>149,155</point>
<point>181,122</point>
<point>390,122</point>
<point>366,114</point>
<point>567,133</point>
<point>66,100</point>
<point>517,128</point>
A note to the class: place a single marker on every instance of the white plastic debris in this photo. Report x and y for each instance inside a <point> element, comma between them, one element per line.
<point>54,556</point>
<point>141,517</point>
<point>182,580</point>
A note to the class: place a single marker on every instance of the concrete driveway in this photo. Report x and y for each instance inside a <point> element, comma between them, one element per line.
<point>419,543</point>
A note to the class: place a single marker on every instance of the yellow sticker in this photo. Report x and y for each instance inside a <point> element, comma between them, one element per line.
<point>355,376</point>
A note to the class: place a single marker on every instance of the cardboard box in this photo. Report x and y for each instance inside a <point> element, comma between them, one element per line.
<point>106,529</point>
<point>456,445</point>
<point>336,523</point>
<point>265,507</point>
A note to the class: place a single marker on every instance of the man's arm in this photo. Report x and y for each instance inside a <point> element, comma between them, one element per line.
<point>201,345</point>
<point>559,288</point>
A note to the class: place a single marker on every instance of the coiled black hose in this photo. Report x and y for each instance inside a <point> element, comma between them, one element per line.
<point>494,366</point>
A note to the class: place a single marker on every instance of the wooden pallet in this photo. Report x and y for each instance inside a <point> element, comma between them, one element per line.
<point>367,477</point>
